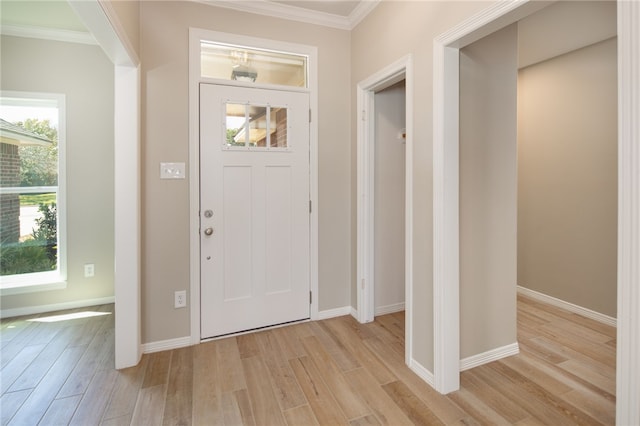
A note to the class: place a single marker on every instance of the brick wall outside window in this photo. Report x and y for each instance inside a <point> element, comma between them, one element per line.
<point>9,203</point>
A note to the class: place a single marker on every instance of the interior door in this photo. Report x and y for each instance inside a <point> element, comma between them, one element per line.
<point>254,208</point>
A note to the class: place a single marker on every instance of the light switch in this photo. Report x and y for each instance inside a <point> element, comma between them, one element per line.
<point>172,171</point>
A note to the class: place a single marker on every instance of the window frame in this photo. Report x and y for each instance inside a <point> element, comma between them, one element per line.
<point>47,280</point>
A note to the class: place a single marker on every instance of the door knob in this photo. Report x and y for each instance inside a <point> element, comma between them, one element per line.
<point>208,231</point>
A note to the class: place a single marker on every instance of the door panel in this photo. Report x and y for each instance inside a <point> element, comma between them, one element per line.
<point>254,172</point>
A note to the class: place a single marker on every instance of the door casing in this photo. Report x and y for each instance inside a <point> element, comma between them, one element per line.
<point>196,35</point>
<point>400,70</point>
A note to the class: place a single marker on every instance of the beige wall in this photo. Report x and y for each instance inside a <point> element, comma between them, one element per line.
<point>563,27</point>
<point>164,27</point>
<point>389,198</point>
<point>85,75</point>
<point>392,30</point>
<point>488,183</point>
<point>567,211</point>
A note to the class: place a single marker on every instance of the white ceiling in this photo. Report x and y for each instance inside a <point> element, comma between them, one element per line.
<point>335,7</point>
<point>342,14</point>
<point>40,14</point>
<point>17,16</point>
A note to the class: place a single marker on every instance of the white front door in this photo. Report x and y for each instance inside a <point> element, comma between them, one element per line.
<point>254,208</point>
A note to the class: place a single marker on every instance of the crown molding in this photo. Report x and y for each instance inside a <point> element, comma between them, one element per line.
<point>52,34</point>
<point>361,11</point>
<point>293,13</point>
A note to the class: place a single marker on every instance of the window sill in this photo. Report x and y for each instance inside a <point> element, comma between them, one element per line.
<point>29,283</point>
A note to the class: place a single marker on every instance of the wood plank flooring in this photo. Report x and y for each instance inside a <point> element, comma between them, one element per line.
<point>331,372</point>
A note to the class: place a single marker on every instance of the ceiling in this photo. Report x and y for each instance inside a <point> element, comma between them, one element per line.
<point>40,14</point>
<point>51,14</point>
<point>335,7</point>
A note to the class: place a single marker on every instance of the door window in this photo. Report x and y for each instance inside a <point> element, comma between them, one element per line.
<point>255,127</point>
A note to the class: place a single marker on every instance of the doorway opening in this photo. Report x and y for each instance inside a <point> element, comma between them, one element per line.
<point>394,82</point>
<point>389,199</point>
<point>446,245</point>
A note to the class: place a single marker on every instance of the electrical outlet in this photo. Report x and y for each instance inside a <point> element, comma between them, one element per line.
<point>180,299</point>
<point>89,270</point>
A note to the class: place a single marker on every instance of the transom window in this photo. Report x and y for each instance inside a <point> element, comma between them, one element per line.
<point>248,64</point>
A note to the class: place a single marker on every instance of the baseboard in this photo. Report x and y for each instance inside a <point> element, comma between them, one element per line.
<point>567,306</point>
<point>421,372</point>
<point>166,345</point>
<point>41,309</point>
<point>332,313</point>
<point>489,356</point>
<point>390,309</point>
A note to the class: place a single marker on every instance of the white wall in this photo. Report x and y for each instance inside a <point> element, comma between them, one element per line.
<point>488,201</point>
<point>389,198</point>
<point>85,75</point>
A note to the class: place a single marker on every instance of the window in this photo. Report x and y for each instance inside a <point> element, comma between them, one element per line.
<point>32,224</point>
<point>232,62</point>
<point>255,127</point>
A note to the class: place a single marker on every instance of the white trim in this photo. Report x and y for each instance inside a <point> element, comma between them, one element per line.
<point>402,69</point>
<point>127,212</point>
<point>489,356</point>
<point>105,27</point>
<point>567,306</point>
<point>123,52</point>
<point>299,14</point>
<point>166,345</point>
<point>446,269</point>
<point>194,183</point>
<point>195,35</point>
<point>421,371</point>
<point>40,309</point>
<point>628,346</point>
<point>361,11</point>
<point>51,34</point>
<point>354,313</point>
<point>332,313</point>
<point>390,309</point>
<point>33,283</point>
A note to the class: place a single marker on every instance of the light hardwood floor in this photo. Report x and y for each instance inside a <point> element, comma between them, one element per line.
<point>328,373</point>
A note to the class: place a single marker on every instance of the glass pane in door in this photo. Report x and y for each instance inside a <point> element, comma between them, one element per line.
<point>235,125</point>
<point>279,128</point>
